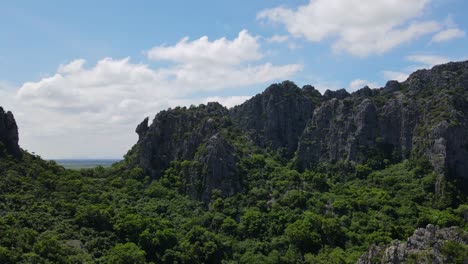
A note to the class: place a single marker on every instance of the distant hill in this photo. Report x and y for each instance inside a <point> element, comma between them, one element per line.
<point>77,164</point>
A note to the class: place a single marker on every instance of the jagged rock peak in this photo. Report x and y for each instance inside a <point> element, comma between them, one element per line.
<point>424,246</point>
<point>450,76</point>
<point>392,86</point>
<point>277,117</point>
<point>142,128</point>
<point>175,134</point>
<point>364,92</point>
<point>311,91</point>
<point>338,94</point>
<point>427,115</point>
<point>9,133</point>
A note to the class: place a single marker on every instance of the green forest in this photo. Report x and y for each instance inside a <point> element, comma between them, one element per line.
<point>331,214</point>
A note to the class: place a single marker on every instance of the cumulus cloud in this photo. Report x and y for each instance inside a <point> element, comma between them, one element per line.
<point>428,61</point>
<point>359,83</point>
<point>394,75</point>
<point>277,39</point>
<point>448,34</point>
<point>71,67</point>
<point>358,27</point>
<point>5,87</point>
<point>95,108</point>
<point>201,51</point>
<point>421,62</point>
<point>228,101</point>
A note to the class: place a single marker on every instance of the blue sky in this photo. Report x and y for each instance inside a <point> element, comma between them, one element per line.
<point>80,75</point>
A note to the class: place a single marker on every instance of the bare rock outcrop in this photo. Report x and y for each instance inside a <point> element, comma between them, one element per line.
<point>214,168</point>
<point>426,245</point>
<point>176,134</point>
<point>277,117</point>
<point>427,115</point>
<point>9,134</point>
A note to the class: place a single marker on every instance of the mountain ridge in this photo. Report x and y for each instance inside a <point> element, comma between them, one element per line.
<point>426,115</point>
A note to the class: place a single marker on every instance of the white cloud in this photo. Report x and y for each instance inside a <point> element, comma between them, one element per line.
<point>359,27</point>
<point>201,51</point>
<point>322,86</point>
<point>422,62</point>
<point>229,101</point>
<point>393,75</point>
<point>428,61</point>
<point>278,39</point>
<point>359,83</point>
<point>81,110</point>
<point>448,34</point>
<point>5,89</point>
<point>71,67</point>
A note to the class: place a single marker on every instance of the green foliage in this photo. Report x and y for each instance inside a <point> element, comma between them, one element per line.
<point>127,253</point>
<point>117,215</point>
<point>454,252</point>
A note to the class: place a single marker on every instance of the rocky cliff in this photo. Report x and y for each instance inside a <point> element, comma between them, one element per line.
<point>425,116</point>
<point>176,134</point>
<point>189,134</point>
<point>9,134</point>
<point>277,117</point>
<point>426,245</point>
<point>214,168</point>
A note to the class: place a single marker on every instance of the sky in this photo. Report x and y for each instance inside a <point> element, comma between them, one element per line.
<point>80,75</point>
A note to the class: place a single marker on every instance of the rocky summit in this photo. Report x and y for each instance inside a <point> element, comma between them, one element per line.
<point>426,245</point>
<point>277,117</point>
<point>427,115</point>
<point>9,134</point>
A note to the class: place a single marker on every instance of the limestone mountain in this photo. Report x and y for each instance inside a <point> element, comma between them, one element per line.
<point>427,116</point>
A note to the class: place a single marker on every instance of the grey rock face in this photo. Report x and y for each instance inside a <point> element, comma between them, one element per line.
<point>175,135</point>
<point>9,133</point>
<point>277,117</point>
<point>322,139</point>
<point>338,94</point>
<point>363,92</point>
<point>190,134</point>
<point>337,131</point>
<point>141,129</point>
<point>397,122</point>
<point>427,114</point>
<point>424,246</point>
<point>392,86</point>
<point>217,171</point>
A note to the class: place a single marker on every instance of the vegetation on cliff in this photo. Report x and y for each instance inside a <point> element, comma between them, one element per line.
<point>118,215</point>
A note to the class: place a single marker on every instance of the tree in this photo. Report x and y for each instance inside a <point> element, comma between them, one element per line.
<point>252,222</point>
<point>128,253</point>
